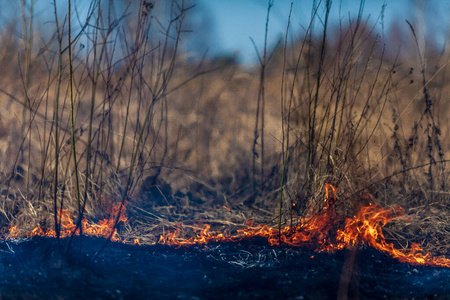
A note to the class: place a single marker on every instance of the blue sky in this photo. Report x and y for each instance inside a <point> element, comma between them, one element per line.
<point>235,21</point>
<point>225,26</point>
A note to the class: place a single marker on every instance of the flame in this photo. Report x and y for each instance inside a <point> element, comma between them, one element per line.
<point>320,231</point>
<point>325,231</point>
<point>104,228</point>
<point>14,232</point>
<point>365,225</point>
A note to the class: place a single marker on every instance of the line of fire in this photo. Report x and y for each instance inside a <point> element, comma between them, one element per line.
<point>321,231</point>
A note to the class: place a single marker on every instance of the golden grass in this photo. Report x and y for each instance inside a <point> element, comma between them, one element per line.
<point>201,129</point>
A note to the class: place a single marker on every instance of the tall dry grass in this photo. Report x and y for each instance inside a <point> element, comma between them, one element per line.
<point>179,139</point>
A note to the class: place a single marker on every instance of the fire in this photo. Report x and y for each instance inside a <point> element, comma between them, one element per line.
<point>325,231</point>
<point>312,231</point>
<point>102,229</point>
<point>320,231</point>
<point>365,225</point>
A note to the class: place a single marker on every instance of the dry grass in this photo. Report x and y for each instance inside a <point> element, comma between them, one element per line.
<point>174,137</point>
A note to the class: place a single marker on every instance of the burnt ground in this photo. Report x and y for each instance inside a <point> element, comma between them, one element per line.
<point>35,269</point>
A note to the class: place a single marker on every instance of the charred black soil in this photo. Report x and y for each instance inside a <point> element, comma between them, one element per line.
<point>35,269</point>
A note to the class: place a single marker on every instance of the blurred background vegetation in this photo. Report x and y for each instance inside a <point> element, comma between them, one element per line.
<point>171,122</point>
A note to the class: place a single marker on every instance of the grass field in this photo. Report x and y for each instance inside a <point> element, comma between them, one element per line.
<point>124,115</point>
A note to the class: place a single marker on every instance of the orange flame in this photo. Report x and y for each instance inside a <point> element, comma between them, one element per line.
<point>14,232</point>
<point>365,225</point>
<point>320,231</point>
<point>102,229</point>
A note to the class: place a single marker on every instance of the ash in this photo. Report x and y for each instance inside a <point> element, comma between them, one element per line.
<point>44,268</point>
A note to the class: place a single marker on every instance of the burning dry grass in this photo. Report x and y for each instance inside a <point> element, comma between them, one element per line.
<point>177,141</point>
<point>104,228</point>
<point>325,231</point>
